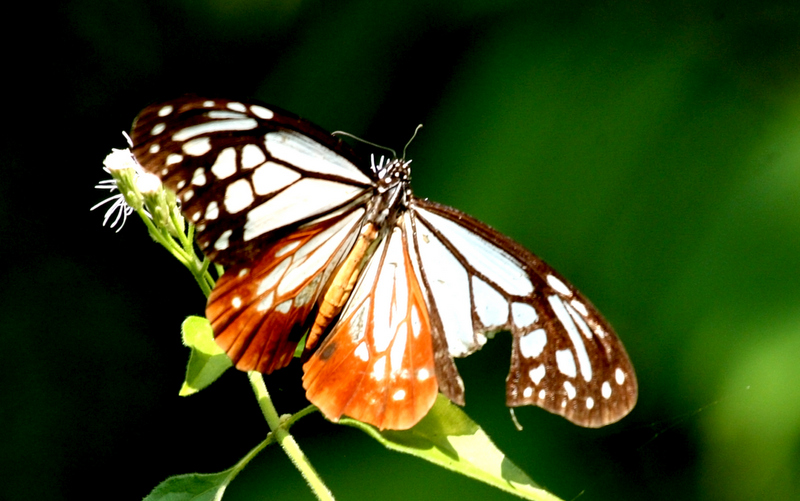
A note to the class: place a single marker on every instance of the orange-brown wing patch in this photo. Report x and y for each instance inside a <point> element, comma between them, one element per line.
<point>377,364</point>
<point>259,312</point>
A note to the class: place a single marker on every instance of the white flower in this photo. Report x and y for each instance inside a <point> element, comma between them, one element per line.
<point>124,169</point>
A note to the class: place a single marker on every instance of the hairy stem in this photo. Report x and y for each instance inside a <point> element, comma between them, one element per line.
<point>286,440</point>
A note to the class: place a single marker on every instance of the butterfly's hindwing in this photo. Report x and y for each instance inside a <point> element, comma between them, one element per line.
<point>377,364</point>
<point>259,311</point>
<point>565,356</point>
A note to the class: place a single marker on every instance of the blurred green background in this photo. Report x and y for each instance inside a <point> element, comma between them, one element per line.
<point>650,151</point>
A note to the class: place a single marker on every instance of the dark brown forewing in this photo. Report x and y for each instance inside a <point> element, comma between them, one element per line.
<point>244,171</point>
<point>565,357</point>
<point>259,311</point>
<point>377,364</point>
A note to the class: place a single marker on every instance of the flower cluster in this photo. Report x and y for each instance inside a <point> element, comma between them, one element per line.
<point>137,190</point>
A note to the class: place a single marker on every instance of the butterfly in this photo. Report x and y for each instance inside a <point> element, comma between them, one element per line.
<point>384,287</point>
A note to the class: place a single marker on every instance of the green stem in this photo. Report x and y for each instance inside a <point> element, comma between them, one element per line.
<point>286,440</point>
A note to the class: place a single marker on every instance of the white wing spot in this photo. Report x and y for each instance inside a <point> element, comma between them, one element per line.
<point>164,172</point>
<point>619,376</point>
<point>261,112</point>
<point>173,159</point>
<point>537,374</point>
<point>166,110</point>
<point>252,156</point>
<point>423,374</point>
<point>225,165</point>
<point>589,402</point>
<point>284,306</point>
<point>197,147</point>
<point>558,286</point>
<point>236,302</point>
<point>155,148</point>
<point>181,184</point>
<point>212,211</point>
<point>222,242</point>
<point>238,196</point>
<point>580,307</point>
<point>379,369</point>
<point>566,363</point>
<point>542,394</point>
<point>527,392</point>
<point>187,195</point>
<point>399,395</point>
<point>480,338</point>
<point>208,104</point>
<point>563,404</point>
<point>362,352</point>
<point>571,392</point>
<point>196,216</point>
<point>243,272</point>
<point>158,129</point>
<point>532,344</point>
<point>199,177</point>
<point>236,107</point>
<point>524,315</point>
<point>605,390</point>
<point>271,177</point>
<point>266,303</point>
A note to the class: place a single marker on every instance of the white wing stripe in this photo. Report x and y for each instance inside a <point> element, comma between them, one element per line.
<point>307,154</point>
<point>574,336</point>
<point>449,283</point>
<point>319,249</point>
<point>488,259</point>
<point>391,293</point>
<point>213,127</point>
<point>308,197</point>
<point>272,278</point>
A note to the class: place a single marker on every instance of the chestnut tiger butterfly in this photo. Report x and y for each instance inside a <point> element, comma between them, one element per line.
<point>387,288</point>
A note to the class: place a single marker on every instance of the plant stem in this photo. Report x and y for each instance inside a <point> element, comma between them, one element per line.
<point>286,440</point>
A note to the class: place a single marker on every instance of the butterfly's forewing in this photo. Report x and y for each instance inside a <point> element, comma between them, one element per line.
<point>565,356</point>
<point>275,199</point>
<point>245,173</point>
<point>377,364</point>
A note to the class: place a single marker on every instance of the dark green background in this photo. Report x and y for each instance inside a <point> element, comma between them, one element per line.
<point>648,151</point>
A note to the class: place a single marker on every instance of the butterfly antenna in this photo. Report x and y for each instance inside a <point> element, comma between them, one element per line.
<point>409,141</point>
<point>342,133</point>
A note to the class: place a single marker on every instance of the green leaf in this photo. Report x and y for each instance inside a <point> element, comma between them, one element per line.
<point>192,487</point>
<point>202,486</point>
<point>207,361</point>
<point>449,438</point>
